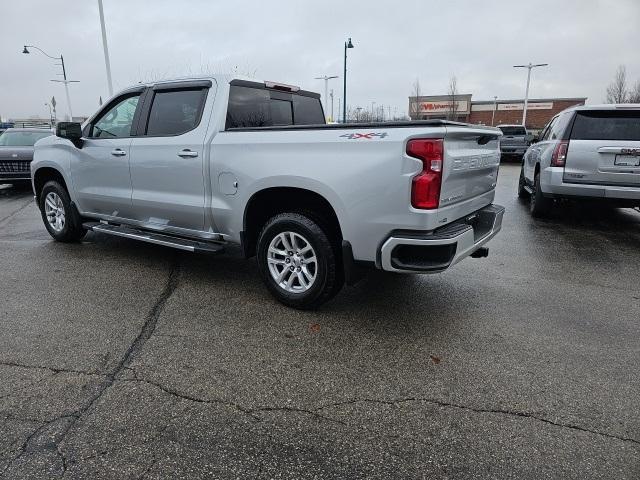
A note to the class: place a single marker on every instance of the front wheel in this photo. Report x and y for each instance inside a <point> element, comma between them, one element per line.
<point>58,214</point>
<point>298,262</point>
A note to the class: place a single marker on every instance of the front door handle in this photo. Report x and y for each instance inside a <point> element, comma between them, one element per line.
<point>118,152</point>
<point>187,153</point>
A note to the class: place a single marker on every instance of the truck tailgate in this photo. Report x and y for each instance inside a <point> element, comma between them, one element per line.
<point>471,162</point>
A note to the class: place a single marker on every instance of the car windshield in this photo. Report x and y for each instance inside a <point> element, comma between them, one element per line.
<point>513,130</point>
<point>22,138</point>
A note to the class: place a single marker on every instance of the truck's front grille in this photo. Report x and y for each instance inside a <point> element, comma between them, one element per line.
<point>14,167</point>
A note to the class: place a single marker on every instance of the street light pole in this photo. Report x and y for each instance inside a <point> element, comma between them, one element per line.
<point>326,89</point>
<point>526,95</point>
<point>64,74</point>
<point>495,106</point>
<point>50,113</point>
<point>347,44</point>
<point>331,95</point>
<point>107,62</point>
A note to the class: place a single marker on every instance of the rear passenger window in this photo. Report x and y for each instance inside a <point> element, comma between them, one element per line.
<point>547,130</point>
<point>607,125</point>
<point>174,112</point>
<point>559,127</point>
<point>259,107</point>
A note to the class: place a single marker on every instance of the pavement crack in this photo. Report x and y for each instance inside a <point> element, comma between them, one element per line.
<point>55,370</point>
<point>30,444</point>
<point>499,411</point>
<point>15,212</point>
<point>245,410</point>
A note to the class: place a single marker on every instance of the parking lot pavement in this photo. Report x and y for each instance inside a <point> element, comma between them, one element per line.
<point>124,360</point>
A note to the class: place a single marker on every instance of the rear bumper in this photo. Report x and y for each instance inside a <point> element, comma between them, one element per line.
<point>513,150</point>
<point>553,185</point>
<point>435,251</point>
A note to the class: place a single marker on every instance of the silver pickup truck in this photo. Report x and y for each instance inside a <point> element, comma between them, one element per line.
<point>197,163</point>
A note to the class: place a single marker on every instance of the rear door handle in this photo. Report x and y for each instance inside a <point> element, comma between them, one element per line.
<point>187,153</point>
<point>118,152</point>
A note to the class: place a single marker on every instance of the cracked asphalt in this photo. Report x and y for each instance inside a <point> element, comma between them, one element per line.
<point>125,360</point>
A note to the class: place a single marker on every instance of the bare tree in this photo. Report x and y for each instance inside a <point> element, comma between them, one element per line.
<point>417,93</point>
<point>617,90</point>
<point>453,103</point>
<point>634,94</point>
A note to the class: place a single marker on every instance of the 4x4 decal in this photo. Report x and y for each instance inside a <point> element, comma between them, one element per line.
<point>367,136</point>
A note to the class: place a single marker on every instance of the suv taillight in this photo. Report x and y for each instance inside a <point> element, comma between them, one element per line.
<point>559,156</point>
<point>425,188</point>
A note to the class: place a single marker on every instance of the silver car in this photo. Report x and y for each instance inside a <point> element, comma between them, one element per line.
<point>585,152</point>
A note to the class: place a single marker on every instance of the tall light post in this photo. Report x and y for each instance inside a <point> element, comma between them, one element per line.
<point>526,95</point>
<point>331,95</point>
<point>64,74</point>
<point>347,44</point>
<point>50,112</point>
<point>326,89</point>
<point>107,62</point>
<point>495,107</point>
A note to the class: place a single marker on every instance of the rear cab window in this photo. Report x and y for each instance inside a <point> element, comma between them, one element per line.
<point>513,131</point>
<point>251,104</point>
<point>607,125</point>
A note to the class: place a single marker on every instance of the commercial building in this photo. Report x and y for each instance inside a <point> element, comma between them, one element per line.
<point>489,112</point>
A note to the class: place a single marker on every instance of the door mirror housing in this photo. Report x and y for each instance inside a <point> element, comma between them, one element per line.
<point>71,131</point>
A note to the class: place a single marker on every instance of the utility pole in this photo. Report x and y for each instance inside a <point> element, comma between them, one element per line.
<point>529,67</point>
<point>326,89</point>
<point>107,62</point>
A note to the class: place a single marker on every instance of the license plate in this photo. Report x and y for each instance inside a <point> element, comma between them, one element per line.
<point>627,161</point>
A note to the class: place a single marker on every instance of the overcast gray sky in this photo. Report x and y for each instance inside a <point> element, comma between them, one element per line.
<point>293,42</point>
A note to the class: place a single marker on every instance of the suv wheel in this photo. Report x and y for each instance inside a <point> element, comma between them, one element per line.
<point>58,214</point>
<point>298,262</point>
<point>522,191</point>
<point>540,206</point>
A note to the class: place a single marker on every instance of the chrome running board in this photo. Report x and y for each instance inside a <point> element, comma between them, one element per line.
<point>180,243</point>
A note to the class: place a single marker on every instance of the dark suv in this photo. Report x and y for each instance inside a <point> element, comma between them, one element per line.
<point>16,153</point>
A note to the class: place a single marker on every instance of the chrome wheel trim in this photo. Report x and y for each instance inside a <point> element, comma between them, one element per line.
<point>292,262</point>
<point>54,211</point>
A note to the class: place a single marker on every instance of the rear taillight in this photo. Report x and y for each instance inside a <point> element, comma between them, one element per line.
<point>425,189</point>
<point>559,156</point>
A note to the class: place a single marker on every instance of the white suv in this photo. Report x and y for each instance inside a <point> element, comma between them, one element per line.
<point>590,151</point>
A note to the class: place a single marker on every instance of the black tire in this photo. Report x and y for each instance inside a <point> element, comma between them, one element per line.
<point>522,191</point>
<point>71,230</point>
<point>539,206</point>
<point>328,278</point>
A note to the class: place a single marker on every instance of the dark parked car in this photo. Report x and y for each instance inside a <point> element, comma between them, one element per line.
<point>16,153</point>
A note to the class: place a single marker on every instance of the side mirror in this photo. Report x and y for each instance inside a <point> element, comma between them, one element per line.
<point>534,139</point>
<point>71,131</point>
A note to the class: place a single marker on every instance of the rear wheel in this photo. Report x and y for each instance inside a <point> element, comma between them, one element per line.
<point>298,262</point>
<point>60,217</point>
<point>522,191</point>
<point>540,205</point>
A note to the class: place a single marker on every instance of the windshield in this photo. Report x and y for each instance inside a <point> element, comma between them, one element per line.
<point>21,138</point>
<point>513,130</point>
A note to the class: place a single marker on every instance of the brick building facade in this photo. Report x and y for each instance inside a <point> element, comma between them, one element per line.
<point>539,110</point>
